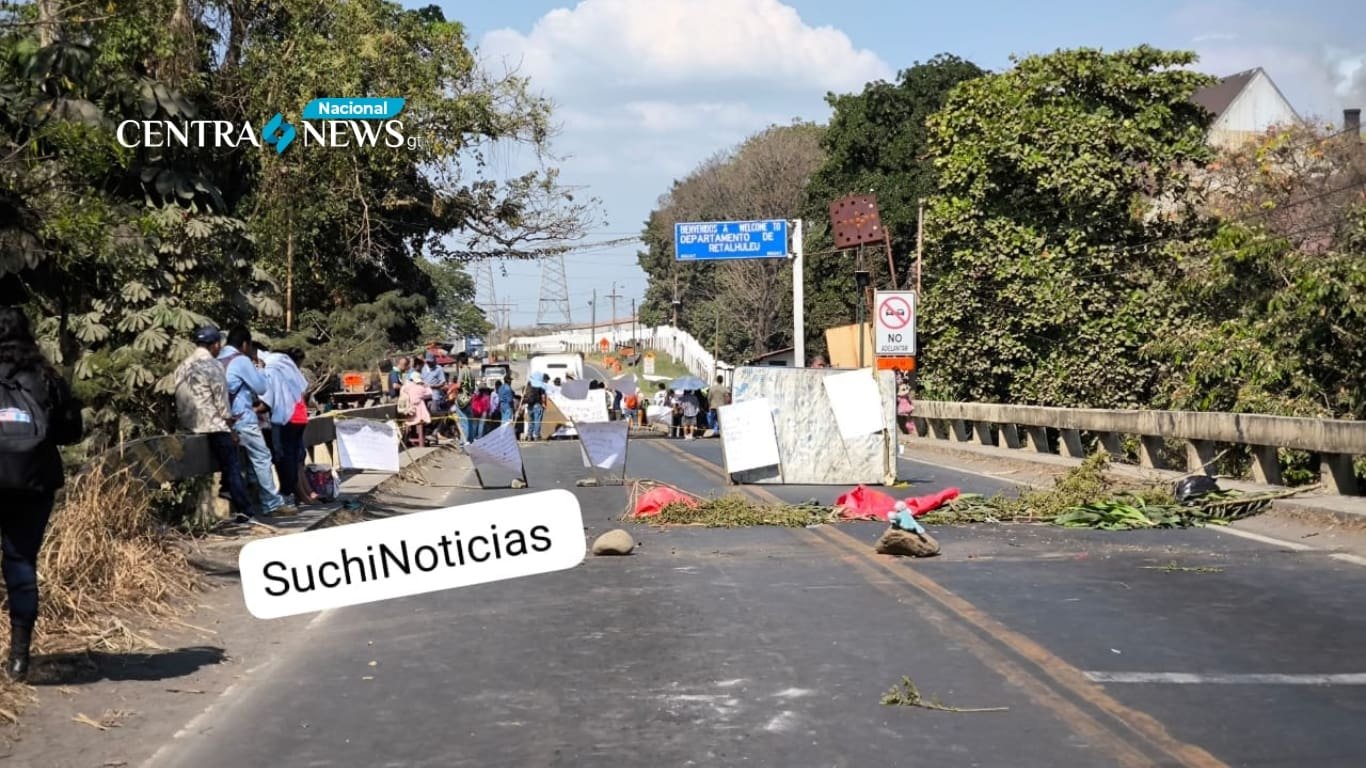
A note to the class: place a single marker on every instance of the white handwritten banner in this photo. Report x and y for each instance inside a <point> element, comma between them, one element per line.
<point>748,439</point>
<point>498,448</point>
<point>592,409</point>
<point>605,443</point>
<point>856,402</point>
<point>365,444</point>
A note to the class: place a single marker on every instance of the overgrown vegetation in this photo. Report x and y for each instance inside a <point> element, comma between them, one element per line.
<point>730,511</point>
<point>735,511</point>
<point>107,570</point>
<point>1086,497</point>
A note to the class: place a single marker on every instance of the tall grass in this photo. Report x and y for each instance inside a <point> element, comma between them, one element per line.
<point>107,566</point>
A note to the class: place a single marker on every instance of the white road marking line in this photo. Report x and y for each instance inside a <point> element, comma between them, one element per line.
<point>1346,558</point>
<point>951,468</point>
<point>1219,678</point>
<point>1295,545</point>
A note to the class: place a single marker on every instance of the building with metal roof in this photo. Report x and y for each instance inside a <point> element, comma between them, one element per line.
<point>1244,105</point>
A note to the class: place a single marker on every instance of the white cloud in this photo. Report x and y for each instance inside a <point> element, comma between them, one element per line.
<point>605,45</point>
<point>1316,57</point>
<point>644,90</point>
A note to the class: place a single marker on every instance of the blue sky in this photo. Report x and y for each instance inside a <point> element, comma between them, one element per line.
<point>646,89</point>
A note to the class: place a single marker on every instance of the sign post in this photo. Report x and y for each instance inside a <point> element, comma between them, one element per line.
<point>894,323</point>
<point>798,298</point>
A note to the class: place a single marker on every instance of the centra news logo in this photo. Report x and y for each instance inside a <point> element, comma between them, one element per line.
<point>333,123</point>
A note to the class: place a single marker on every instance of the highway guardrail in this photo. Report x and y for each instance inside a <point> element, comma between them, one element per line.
<point>1029,427</point>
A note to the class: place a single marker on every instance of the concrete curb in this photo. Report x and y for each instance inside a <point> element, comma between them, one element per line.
<point>1312,507</point>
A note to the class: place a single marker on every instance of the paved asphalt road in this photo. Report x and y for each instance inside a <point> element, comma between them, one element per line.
<point>772,647</point>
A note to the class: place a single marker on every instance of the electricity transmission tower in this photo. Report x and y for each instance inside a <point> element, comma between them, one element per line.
<point>553,306</point>
<point>486,296</point>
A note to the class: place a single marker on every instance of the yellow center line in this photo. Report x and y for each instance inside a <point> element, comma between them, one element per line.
<point>877,568</point>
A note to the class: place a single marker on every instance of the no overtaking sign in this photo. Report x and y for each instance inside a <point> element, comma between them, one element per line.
<point>894,323</point>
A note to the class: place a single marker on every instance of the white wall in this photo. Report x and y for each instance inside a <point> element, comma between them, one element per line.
<point>679,344</point>
<point>1258,108</point>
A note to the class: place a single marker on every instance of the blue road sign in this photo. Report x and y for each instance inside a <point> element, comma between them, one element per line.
<point>730,240</point>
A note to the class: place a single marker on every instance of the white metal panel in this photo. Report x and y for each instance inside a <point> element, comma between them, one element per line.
<point>1259,107</point>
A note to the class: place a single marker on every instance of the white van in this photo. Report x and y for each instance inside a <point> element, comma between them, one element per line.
<point>556,366</point>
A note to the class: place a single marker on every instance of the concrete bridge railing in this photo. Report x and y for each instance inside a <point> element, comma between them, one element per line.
<point>1336,442</point>
<point>167,458</point>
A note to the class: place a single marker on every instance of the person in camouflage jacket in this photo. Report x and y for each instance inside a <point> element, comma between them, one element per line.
<point>201,394</point>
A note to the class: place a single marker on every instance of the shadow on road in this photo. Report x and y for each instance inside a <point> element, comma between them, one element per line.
<point>86,667</point>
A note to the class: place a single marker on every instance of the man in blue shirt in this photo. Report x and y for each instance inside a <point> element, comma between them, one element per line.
<point>505,398</point>
<point>245,384</point>
<point>434,376</point>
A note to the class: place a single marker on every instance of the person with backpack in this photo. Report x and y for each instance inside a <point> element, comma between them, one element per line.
<point>463,389</point>
<point>246,384</point>
<point>533,401</point>
<point>37,414</point>
<point>201,397</point>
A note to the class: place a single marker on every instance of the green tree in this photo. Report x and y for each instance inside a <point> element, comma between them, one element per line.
<point>764,177</point>
<point>1063,185</point>
<point>877,143</point>
<point>1273,318</point>
<point>121,251</point>
<point>452,313</point>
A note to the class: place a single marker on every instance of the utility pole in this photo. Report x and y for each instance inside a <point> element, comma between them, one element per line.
<point>501,319</point>
<point>716,344</point>
<point>676,302</point>
<point>798,295</point>
<point>593,329</point>
<point>614,296</point>
<point>634,338</point>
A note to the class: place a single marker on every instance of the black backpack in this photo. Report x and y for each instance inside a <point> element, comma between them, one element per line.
<point>532,396</point>
<point>25,418</point>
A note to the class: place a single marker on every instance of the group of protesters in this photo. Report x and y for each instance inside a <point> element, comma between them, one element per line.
<point>434,403</point>
<point>252,404</point>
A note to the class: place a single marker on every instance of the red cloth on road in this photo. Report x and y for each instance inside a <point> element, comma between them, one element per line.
<point>923,505</point>
<point>864,503</point>
<point>653,502</point>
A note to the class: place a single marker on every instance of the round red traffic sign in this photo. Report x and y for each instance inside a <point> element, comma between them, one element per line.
<point>895,312</point>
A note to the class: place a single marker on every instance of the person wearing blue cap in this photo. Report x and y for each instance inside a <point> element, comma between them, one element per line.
<point>246,384</point>
<point>201,397</point>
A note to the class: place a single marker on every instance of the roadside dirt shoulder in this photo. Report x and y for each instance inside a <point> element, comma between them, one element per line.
<point>111,710</point>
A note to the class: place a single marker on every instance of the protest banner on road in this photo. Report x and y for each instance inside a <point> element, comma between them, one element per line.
<point>748,439</point>
<point>855,400</point>
<point>498,448</point>
<point>365,444</point>
<point>591,409</point>
<point>604,443</point>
